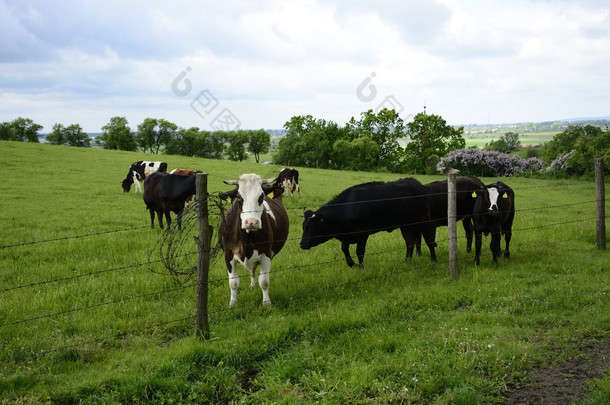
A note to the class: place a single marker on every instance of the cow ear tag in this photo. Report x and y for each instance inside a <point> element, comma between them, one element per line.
<point>228,200</point>
<point>474,194</point>
<point>270,195</point>
<point>505,195</point>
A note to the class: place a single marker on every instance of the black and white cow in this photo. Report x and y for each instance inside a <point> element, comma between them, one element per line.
<point>289,180</point>
<point>252,231</point>
<point>365,209</point>
<point>165,192</point>
<point>494,213</point>
<point>139,171</point>
<point>437,202</point>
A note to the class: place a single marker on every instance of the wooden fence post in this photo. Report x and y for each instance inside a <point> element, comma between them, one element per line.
<point>601,203</point>
<point>452,225</point>
<point>203,257</point>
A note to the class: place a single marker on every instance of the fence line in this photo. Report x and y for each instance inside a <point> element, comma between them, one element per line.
<point>256,305</point>
<point>291,268</point>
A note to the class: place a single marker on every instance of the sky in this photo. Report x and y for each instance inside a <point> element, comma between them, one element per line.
<point>224,65</point>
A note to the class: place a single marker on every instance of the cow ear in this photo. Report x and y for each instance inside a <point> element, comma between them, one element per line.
<point>228,195</point>
<point>308,214</point>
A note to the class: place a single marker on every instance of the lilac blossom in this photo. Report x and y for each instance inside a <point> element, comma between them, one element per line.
<point>489,163</point>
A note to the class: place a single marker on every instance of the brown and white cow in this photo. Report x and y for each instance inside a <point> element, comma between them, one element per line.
<point>252,231</point>
<point>182,172</point>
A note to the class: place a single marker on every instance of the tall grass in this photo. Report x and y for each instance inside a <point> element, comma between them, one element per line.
<point>115,329</point>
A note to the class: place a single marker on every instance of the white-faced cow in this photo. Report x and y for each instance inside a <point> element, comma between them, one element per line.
<point>252,231</point>
<point>165,192</point>
<point>437,202</point>
<point>368,208</point>
<point>139,171</point>
<point>289,180</point>
<point>494,213</point>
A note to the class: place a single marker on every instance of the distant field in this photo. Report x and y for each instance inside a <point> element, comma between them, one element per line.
<point>526,139</point>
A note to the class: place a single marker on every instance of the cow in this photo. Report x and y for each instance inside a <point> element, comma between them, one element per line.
<point>289,180</point>
<point>186,172</point>
<point>139,171</point>
<point>165,192</point>
<point>437,202</point>
<point>252,231</point>
<point>494,212</point>
<point>182,172</point>
<point>368,208</point>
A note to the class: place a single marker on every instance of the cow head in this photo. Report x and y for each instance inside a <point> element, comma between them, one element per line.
<point>250,197</point>
<point>127,184</point>
<point>315,230</point>
<point>489,199</point>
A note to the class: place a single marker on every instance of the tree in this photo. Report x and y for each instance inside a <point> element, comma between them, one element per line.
<point>430,135</point>
<point>308,142</point>
<point>564,142</point>
<point>24,129</point>
<point>259,142</point>
<point>384,129</point>
<point>118,136</point>
<point>154,133</point>
<point>592,144</point>
<point>509,142</point>
<point>237,145</point>
<point>58,135</point>
<point>6,132</point>
<point>76,137</point>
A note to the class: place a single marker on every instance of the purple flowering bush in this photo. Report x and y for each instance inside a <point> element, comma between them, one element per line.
<point>476,162</point>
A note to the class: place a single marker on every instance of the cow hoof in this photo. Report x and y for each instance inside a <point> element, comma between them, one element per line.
<point>267,304</point>
<point>360,265</point>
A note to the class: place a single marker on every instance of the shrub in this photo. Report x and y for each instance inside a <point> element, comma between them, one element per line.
<point>489,163</point>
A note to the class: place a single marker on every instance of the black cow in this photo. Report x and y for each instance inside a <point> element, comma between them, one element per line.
<point>368,208</point>
<point>165,192</point>
<point>138,172</point>
<point>494,213</point>
<point>289,180</point>
<point>437,202</point>
<point>252,231</point>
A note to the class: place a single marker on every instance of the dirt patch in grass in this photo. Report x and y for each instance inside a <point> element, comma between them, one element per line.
<point>564,382</point>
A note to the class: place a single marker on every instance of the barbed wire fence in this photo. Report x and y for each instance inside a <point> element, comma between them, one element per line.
<point>176,256</point>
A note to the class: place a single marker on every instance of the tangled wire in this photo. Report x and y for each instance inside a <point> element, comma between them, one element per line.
<point>174,246</point>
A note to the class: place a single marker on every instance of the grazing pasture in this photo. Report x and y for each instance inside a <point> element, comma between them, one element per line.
<point>87,314</point>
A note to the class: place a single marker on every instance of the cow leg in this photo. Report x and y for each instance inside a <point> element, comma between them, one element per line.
<point>429,233</point>
<point>233,279</point>
<point>160,218</point>
<point>478,241</point>
<point>494,245</point>
<point>263,279</point>
<point>507,237</point>
<point>345,250</point>
<point>410,236</point>
<point>299,190</point>
<point>152,218</point>
<point>168,218</point>
<point>468,229</point>
<point>360,248</point>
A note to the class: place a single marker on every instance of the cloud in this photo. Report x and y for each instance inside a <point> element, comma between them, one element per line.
<point>267,61</point>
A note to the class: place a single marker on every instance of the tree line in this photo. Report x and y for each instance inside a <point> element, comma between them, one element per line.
<point>375,142</point>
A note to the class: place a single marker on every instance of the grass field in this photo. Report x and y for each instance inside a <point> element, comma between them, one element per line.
<point>88,315</point>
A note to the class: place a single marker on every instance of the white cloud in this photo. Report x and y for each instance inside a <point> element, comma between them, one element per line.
<point>83,62</point>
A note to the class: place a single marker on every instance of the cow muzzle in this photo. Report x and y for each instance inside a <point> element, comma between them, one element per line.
<point>251,224</point>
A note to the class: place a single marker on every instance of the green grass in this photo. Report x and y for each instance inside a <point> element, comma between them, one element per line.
<point>393,332</point>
